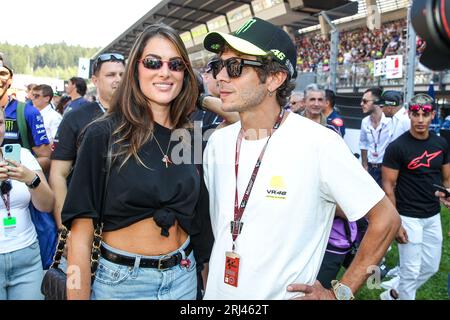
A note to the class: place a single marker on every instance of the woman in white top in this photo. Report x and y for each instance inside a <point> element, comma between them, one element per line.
<point>20,261</point>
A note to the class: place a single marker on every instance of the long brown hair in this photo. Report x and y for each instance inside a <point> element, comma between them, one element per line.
<point>130,107</point>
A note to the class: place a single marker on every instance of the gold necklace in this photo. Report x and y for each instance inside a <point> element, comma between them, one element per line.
<point>165,158</point>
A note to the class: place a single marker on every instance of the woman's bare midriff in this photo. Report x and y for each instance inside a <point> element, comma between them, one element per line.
<point>144,238</point>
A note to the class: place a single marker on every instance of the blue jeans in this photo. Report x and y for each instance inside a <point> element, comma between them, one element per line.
<point>114,281</point>
<point>21,274</point>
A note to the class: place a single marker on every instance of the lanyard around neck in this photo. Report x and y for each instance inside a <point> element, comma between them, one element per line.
<point>236,224</point>
<point>377,142</point>
<point>7,202</point>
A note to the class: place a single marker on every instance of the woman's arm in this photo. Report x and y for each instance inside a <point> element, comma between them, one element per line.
<point>79,257</point>
<point>42,196</point>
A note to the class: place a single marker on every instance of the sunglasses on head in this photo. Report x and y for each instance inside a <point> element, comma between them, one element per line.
<point>233,66</point>
<point>110,56</point>
<point>105,57</point>
<point>416,107</point>
<point>174,64</point>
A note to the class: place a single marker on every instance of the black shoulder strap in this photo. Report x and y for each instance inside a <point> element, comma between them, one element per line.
<point>108,170</point>
<point>95,254</point>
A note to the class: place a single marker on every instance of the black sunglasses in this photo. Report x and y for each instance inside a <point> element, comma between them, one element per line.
<point>174,64</point>
<point>107,57</point>
<point>233,65</point>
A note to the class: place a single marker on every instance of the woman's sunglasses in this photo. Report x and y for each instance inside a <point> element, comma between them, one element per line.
<point>175,64</point>
<point>233,66</point>
<point>416,107</point>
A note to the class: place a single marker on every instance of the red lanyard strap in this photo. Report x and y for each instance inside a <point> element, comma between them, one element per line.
<point>236,224</point>
<point>377,142</point>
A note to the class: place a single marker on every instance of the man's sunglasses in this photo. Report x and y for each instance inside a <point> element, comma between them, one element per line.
<point>152,63</point>
<point>107,57</point>
<point>233,66</point>
<point>36,95</point>
<point>416,107</point>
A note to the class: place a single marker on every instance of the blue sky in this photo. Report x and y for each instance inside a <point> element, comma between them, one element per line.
<point>89,23</point>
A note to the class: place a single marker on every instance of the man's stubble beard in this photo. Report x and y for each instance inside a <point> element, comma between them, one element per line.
<point>250,99</point>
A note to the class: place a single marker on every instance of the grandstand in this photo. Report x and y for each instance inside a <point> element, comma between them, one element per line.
<point>360,48</point>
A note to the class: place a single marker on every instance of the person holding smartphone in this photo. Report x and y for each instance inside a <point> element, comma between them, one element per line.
<point>21,180</point>
<point>413,165</point>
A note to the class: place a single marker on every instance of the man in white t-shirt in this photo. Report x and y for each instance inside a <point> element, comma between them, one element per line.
<point>271,221</point>
<point>42,97</point>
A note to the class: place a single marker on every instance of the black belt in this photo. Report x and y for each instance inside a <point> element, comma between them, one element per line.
<point>163,263</point>
<point>375,165</point>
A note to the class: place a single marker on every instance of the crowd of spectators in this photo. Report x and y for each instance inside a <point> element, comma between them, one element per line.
<point>355,46</point>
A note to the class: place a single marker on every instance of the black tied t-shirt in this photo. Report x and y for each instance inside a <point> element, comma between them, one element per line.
<point>136,192</point>
<point>419,163</point>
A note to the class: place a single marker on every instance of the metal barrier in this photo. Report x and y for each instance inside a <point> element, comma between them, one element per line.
<point>356,75</point>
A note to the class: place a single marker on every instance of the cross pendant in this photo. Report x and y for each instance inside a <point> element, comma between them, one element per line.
<point>166,160</point>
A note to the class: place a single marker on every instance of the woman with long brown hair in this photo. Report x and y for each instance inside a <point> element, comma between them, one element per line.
<point>156,209</point>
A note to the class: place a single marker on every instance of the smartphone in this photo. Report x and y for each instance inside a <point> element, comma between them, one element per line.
<point>442,189</point>
<point>12,152</point>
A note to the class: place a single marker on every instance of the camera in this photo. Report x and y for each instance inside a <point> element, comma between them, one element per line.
<point>430,19</point>
<point>8,148</point>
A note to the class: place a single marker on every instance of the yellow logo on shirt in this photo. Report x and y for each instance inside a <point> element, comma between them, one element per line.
<point>277,188</point>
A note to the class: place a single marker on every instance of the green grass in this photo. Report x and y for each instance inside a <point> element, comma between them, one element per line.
<point>436,287</point>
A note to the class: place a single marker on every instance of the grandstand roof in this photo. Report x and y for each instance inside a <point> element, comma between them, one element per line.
<point>185,15</point>
<point>383,6</point>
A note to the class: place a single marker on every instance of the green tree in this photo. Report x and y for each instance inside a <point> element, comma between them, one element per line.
<point>48,60</point>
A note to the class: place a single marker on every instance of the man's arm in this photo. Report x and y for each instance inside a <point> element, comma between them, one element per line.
<point>446,175</point>
<point>214,104</point>
<point>384,221</point>
<point>58,181</point>
<point>446,183</point>
<point>43,153</point>
<point>364,159</point>
<point>389,178</point>
<point>363,146</point>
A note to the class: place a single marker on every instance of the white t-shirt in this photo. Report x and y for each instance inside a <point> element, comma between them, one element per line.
<point>20,198</point>
<point>306,170</point>
<point>52,119</point>
<point>400,124</point>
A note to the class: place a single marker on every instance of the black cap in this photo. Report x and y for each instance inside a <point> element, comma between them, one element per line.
<point>390,98</point>
<point>4,62</point>
<point>257,37</point>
